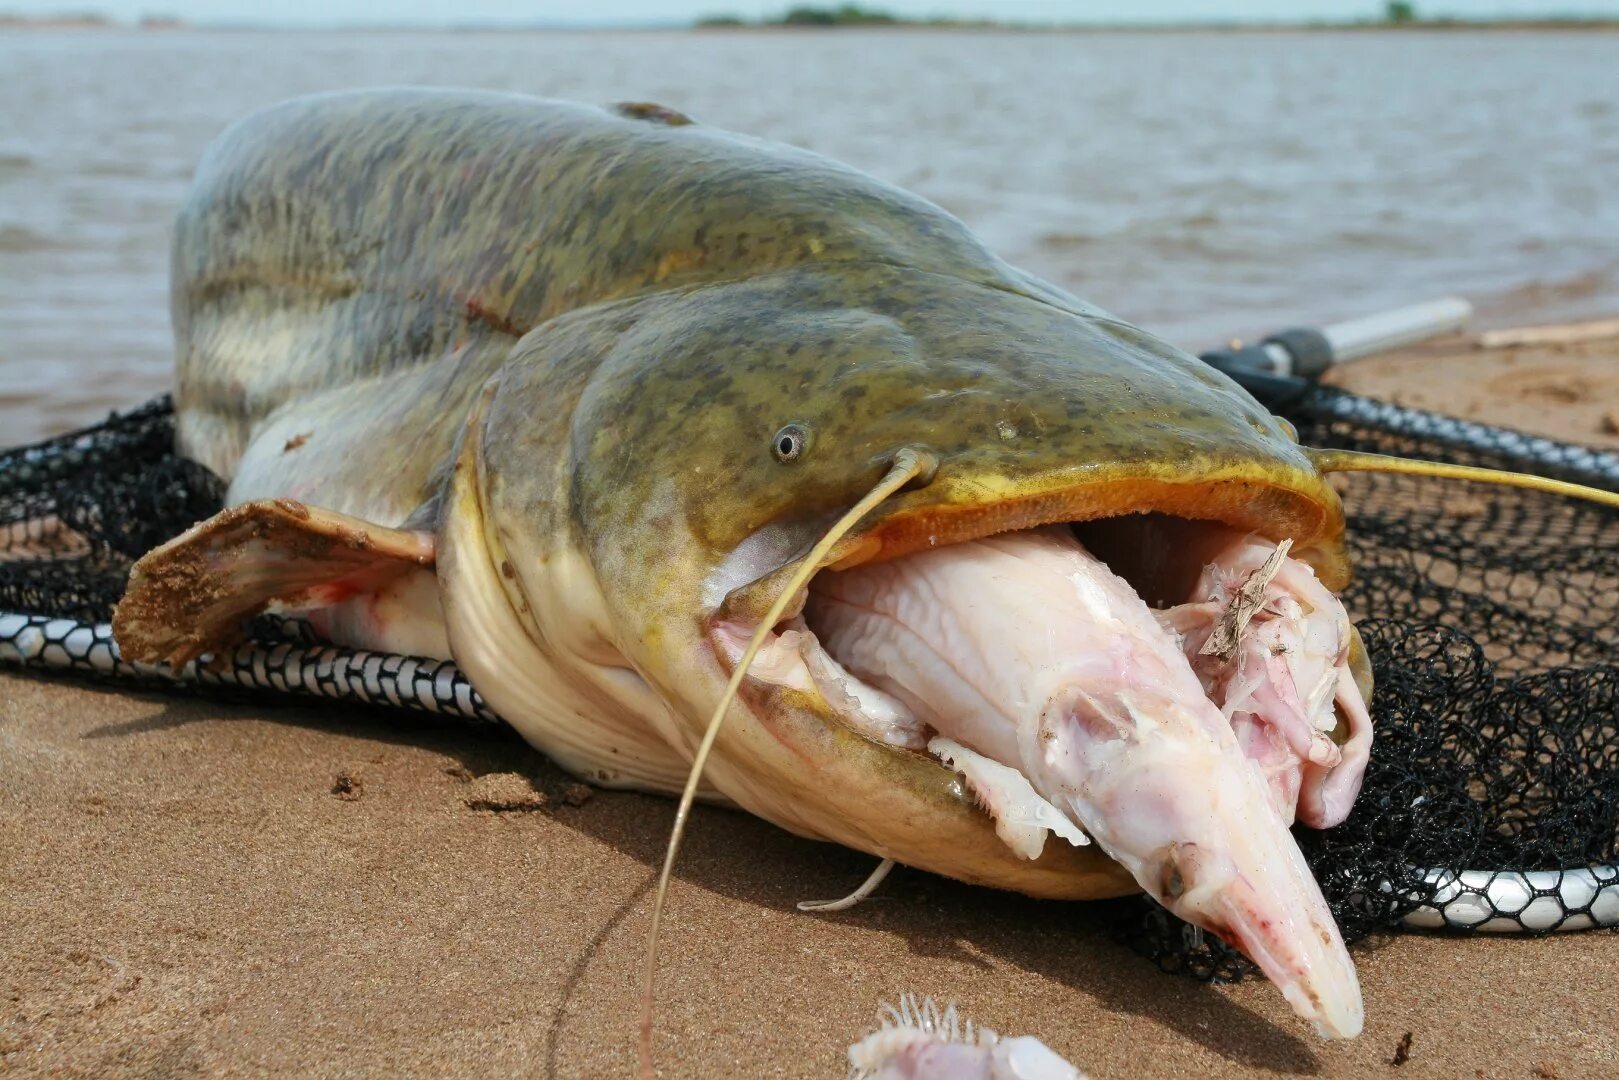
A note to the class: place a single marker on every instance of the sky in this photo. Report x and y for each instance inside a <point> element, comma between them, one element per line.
<point>667,12</point>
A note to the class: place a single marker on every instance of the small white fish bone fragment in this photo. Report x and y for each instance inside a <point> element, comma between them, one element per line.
<point>918,1041</point>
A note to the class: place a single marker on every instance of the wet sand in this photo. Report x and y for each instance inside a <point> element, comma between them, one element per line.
<point>198,889</point>
<point>189,887</point>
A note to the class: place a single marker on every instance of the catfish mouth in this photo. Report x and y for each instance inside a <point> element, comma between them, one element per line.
<point>1176,690</point>
<point>1147,550</point>
<point>1292,693</point>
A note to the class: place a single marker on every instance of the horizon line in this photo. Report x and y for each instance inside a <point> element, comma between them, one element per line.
<point>157,23</point>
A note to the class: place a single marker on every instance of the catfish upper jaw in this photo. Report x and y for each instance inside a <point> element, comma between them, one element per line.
<point>956,506</point>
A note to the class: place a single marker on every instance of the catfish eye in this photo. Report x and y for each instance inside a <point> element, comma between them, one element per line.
<point>789,443</point>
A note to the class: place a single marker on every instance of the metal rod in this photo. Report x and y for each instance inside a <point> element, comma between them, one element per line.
<point>1309,351</point>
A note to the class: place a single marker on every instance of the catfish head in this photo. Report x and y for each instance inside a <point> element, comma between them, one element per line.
<point>632,529</point>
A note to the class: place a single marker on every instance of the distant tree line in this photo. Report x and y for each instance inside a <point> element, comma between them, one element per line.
<point>1402,14</point>
<point>842,15</point>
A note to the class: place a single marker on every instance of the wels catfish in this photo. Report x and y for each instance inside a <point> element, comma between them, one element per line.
<point>575,397</point>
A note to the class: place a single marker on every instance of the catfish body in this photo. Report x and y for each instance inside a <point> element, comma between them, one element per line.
<point>353,267</point>
<point>371,287</point>
<point>564,392</point>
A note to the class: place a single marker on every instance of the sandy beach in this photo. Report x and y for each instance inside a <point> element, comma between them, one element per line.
<point>190,887</point>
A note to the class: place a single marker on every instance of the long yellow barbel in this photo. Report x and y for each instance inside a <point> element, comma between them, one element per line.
<point>908,464</point>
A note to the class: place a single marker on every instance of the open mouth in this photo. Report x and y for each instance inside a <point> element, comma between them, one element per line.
<point>1176,691</point>
<point>936,645</point>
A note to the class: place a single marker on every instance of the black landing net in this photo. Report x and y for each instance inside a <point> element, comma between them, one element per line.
<point>1491,616</point>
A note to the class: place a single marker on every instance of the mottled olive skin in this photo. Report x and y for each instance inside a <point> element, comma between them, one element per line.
<point>599,321</point>
<point>1012,394</point>
<point>337,239</point>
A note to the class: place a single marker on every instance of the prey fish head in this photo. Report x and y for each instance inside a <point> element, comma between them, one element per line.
<point>1192,821</point>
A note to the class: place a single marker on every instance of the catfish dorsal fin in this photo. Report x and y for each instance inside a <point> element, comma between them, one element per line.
<point>192,595</point>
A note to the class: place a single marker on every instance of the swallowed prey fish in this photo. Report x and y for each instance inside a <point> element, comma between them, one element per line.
<point>569,395</point>
<point>1025,648</point>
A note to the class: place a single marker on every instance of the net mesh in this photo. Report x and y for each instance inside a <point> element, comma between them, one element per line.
<point>1491,617</point>
<point>76,511</point>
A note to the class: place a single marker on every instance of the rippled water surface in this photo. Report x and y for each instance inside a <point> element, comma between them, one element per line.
<point>1199,184</point>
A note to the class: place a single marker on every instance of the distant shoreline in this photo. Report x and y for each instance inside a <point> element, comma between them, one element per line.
<point>1160,28</point>
<point>93,22</point>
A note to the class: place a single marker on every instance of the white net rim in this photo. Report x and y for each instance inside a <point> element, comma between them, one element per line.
<point>1492,901</point>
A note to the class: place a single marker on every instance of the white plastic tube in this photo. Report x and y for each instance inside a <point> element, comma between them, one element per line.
<point>1393,329</point>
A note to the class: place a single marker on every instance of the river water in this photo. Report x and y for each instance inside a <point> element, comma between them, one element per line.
<point>1203,185</point>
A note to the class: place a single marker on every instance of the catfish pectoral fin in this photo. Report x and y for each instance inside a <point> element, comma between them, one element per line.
<point>192,595</point>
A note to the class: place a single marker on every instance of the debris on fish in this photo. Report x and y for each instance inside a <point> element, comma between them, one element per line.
<point>919,1041</point>
<point>1227,635</point>
<point>1283,681</point>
